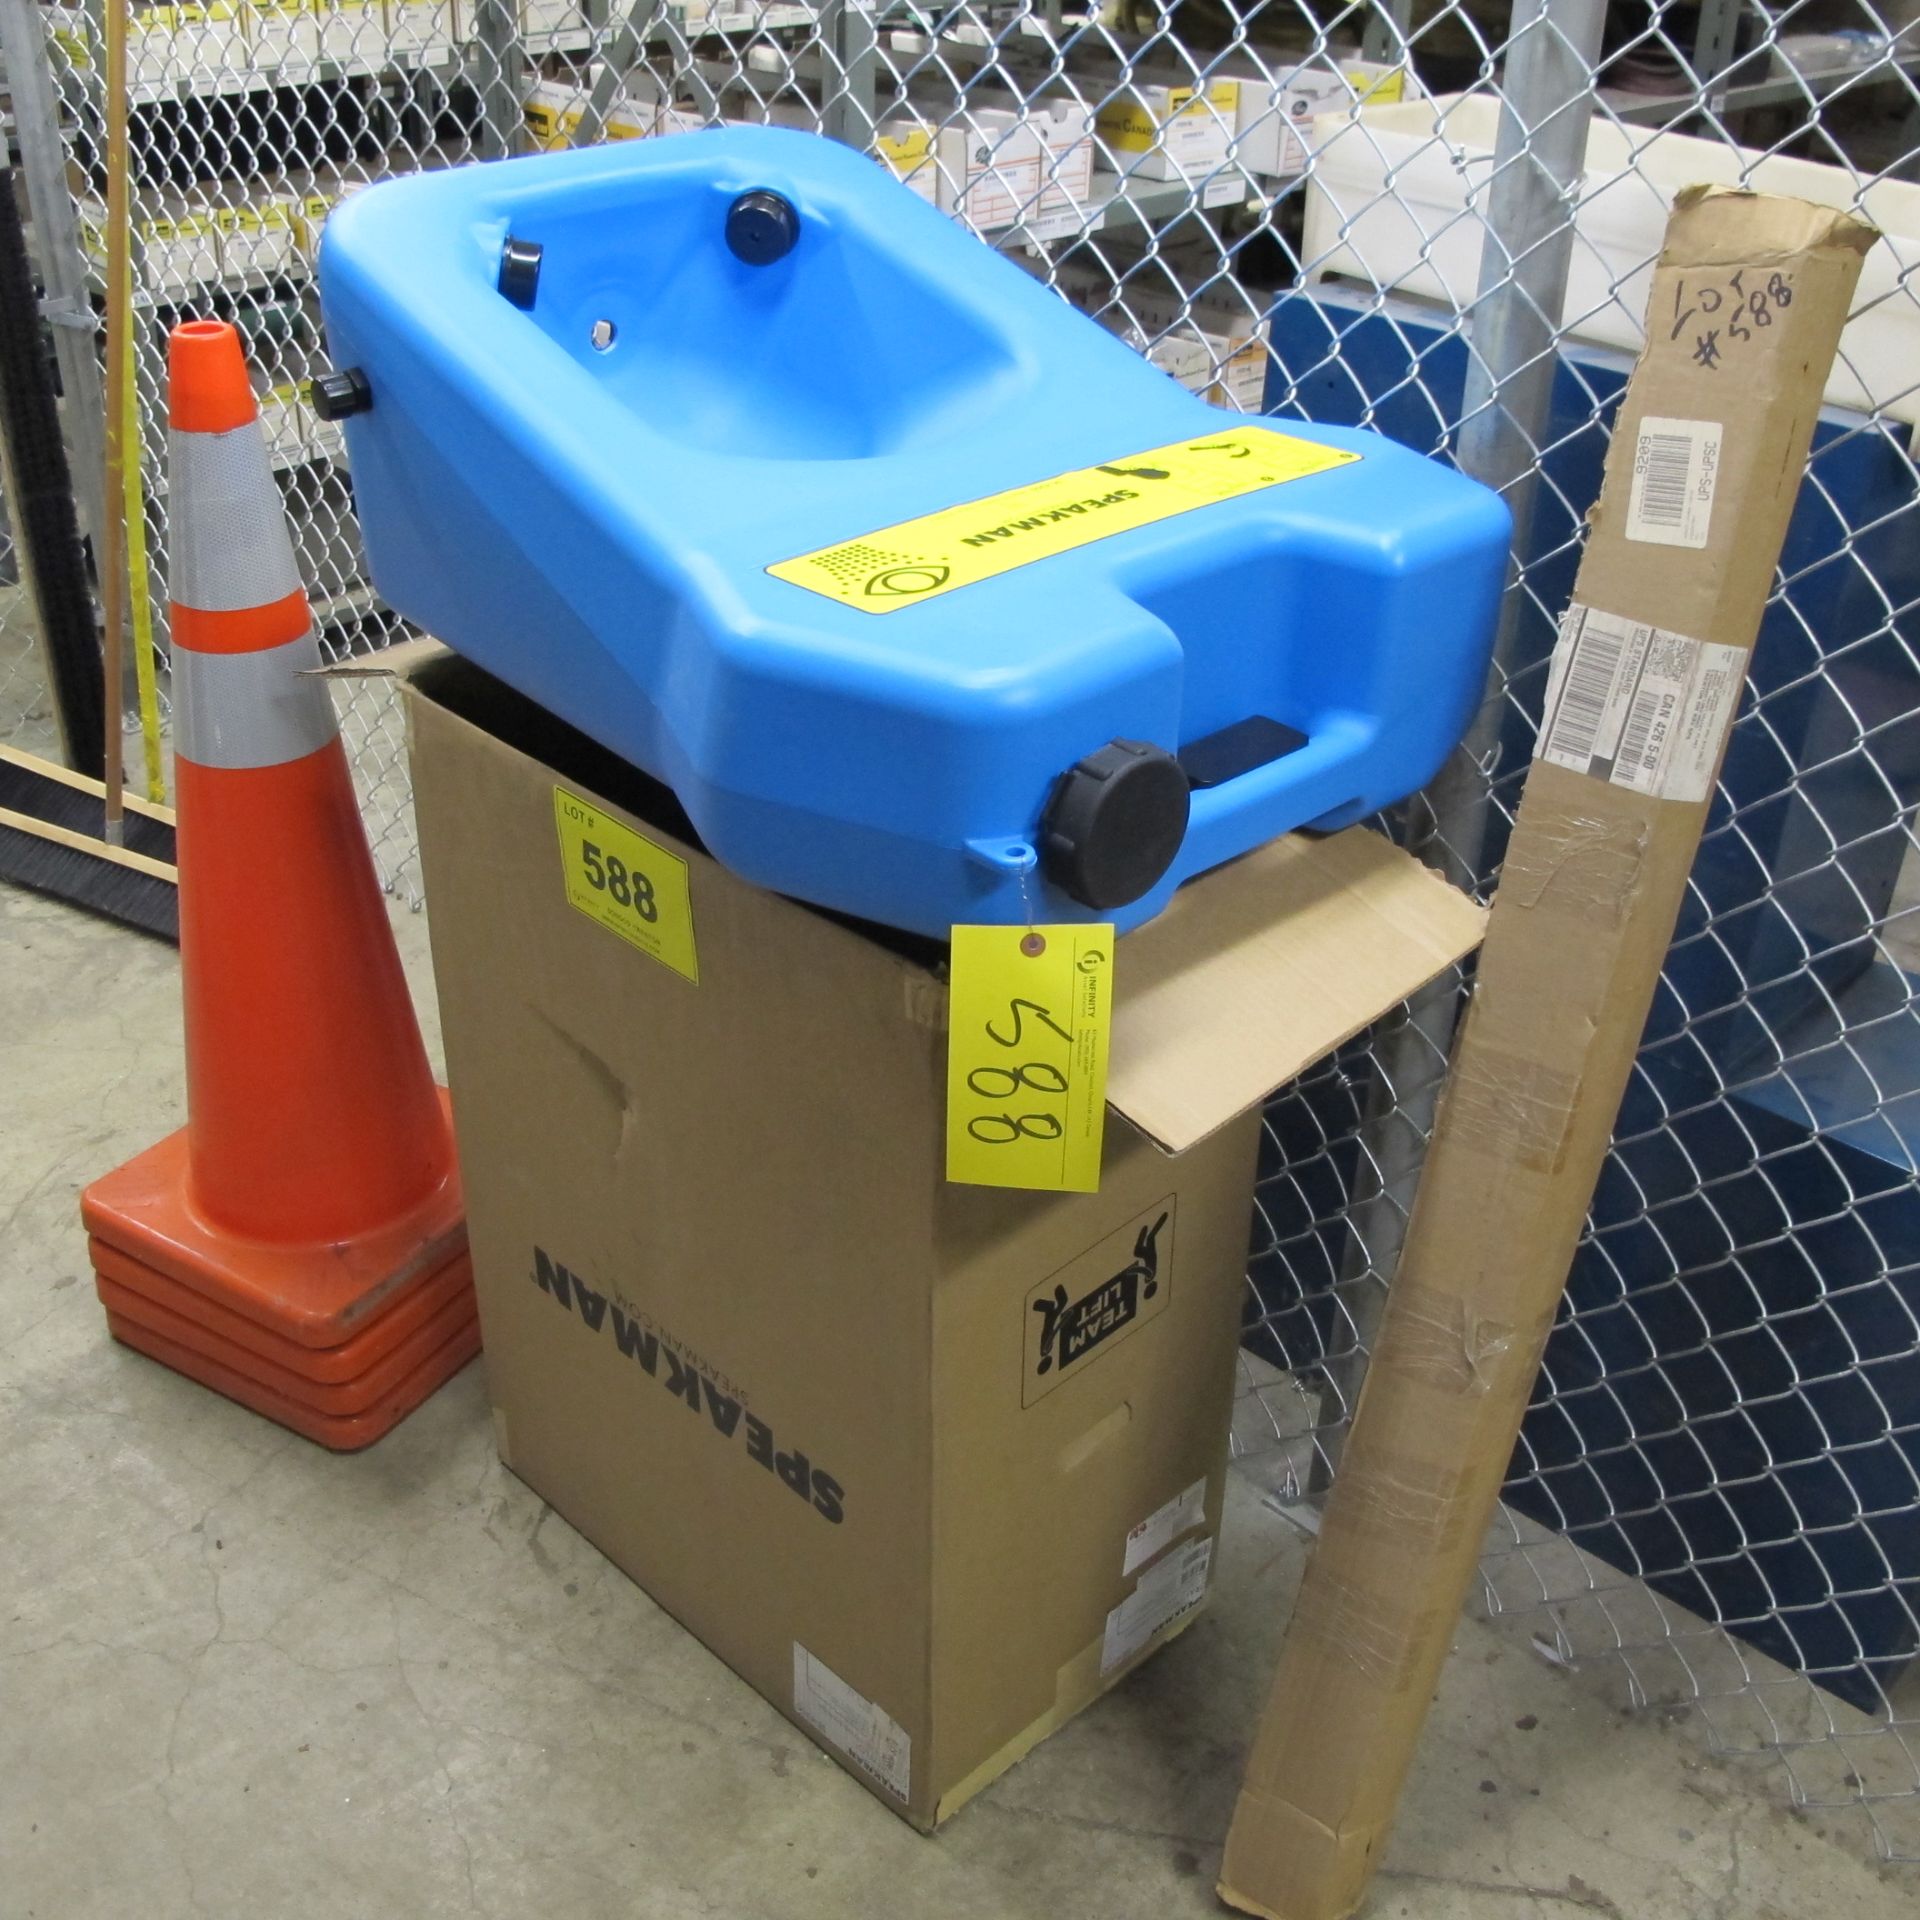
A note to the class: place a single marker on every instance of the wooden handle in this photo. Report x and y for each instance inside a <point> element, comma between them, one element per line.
<point>112,556</point>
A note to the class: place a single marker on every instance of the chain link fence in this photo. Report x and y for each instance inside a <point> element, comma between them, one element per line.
<point>1437,220</point>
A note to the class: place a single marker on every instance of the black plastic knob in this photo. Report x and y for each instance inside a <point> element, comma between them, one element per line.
<point>1114,823</point>
<point>520,272</point>
<point>762,227</point>
<point>337,395</point>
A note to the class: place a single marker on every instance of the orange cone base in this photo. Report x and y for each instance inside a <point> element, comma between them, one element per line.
<point>126,1286</point>
<point>310,1296</point>
<point>343,1432</point>
<point>391,1363</point>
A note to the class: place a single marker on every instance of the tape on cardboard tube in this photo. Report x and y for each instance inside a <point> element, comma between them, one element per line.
<point>1516,1109</point>
<point>1403,1499</point>
<point>1434,1336</point>
<point>1362,1629</point>
<point>1579,864</point>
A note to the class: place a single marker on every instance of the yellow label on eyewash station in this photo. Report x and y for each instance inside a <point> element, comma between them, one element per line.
<point>621,879</point>
<point>1029,1010</point>
<point>918,560</point>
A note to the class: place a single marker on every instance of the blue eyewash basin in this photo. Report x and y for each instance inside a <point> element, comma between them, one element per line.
<point>932,601</point>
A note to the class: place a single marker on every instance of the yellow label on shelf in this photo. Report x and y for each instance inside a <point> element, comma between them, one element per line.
<point>1028,1017</point>
<point>917,560</point>
<point>628,884</point>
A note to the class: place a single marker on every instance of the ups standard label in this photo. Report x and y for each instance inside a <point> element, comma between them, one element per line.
<point>1094,1302</point>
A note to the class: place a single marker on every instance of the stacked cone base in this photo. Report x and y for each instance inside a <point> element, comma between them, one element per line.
<point>339,1342</point>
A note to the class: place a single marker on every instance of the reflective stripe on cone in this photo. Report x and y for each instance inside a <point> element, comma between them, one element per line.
<point>258,709</point>
<point>232,551</point>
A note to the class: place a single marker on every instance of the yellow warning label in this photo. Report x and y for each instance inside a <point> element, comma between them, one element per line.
<point>621,879</point>
<point>918,560</point>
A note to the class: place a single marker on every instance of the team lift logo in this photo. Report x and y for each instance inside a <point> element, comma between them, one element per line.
<point>1072,1328</point>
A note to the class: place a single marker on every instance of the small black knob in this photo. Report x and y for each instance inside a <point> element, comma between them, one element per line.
<point>1114,823</point>
<point>336,395</point>
<point>762,227</point>
<point>520,271</point>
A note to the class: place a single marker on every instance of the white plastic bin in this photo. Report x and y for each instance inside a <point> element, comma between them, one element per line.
<point>1396,198</point>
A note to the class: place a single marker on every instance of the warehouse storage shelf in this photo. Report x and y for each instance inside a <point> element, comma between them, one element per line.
<point>366,43</point>
<point>1817,83</point>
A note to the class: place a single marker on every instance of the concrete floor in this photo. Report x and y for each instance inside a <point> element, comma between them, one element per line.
<point>240,1677</point>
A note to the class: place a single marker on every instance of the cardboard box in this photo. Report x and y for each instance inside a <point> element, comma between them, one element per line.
<point>1170,133</point>
<point>1213,348</point>
<point>182,244</point>
<point>1029,167</point>
<point>930,1466</point>
<point>1708,451</point>
<point>554,109</point>
<point>1273,124</point>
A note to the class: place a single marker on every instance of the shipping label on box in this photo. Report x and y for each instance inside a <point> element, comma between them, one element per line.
<point>1170,133</point>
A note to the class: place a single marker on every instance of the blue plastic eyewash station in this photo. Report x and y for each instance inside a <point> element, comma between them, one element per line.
<point>931,600</point>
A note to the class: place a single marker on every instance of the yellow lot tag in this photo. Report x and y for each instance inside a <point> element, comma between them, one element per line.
<point>621,879</point>
<point>918,560</point>
<point>1029,1012</point>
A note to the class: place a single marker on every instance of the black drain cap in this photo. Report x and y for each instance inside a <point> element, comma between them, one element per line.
<point>1114,823</point>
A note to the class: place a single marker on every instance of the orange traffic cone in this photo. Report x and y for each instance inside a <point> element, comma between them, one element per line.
<point>300,1245</point>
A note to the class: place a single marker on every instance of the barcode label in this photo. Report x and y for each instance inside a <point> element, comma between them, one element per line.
<point>1595,668</point>
<point>1633,744</point>
<point>1637,706</point>
<point>1675,465</point>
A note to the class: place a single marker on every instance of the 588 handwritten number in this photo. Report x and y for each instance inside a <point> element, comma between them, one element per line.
<point>1041,1079</point>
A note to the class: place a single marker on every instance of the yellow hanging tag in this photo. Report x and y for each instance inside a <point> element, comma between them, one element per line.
<point>626,883</point>
<point>1029,1013</point>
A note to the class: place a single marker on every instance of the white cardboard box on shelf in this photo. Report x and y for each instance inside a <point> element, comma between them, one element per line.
<point>553,26</point>
<point>313,198</point>
<point>203,45</point>
<point>1005,167</point>
<point>420,31</point>
<point>181,245</point>
<point>176,243</point>
<point>283,36</point>
<point>1273,129</point>
<point>554,109</point>
<point>1170,133</point>
<point>296,434</point>
<point>784,110</point>
<point>351,33</point>
<point>1236,343</point>
<point>1438,154</point>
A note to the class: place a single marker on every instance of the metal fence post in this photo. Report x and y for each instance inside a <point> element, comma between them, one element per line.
<point>68,304</point>
<point>501,77</point>
<point>1546,109</point>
